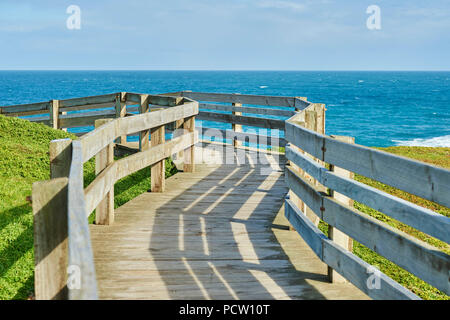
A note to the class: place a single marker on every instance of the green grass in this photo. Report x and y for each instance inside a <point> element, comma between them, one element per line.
<point>24,159</point>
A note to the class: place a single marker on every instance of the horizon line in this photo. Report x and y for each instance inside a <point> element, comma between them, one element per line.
<point>239,70</point>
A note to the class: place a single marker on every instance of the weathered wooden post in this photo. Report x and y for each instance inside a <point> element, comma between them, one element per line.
<point>315,121</point>
<point>121,111</point>
<point>237,127</point>
<point>334,234</point>
<point>299,120</point>
<point>104,213</point>
<point>50,222</point>
<point>144,135</point>
<point>60,158</point>
<point>54,114</point>
<point>189,153</point>
<point>158,170</point>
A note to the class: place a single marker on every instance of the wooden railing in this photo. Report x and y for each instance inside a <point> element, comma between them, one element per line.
<point>59,114</point>
<point>318,192</point>
<point>268,112</point>
<point>319,176</point>
<point>63,254</point>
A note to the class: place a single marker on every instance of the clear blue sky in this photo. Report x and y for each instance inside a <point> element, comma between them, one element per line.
<point>225,35</point>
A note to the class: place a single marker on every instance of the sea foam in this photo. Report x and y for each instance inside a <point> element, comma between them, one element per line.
<point>443,141</point>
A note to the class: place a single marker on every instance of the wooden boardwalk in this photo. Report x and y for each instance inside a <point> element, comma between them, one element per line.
<point>218,233</point>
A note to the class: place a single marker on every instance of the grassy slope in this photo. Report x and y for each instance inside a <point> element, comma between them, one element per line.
<point>24,159</point>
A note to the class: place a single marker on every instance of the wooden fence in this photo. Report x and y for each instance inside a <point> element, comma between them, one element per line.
<point>61,206</point>
<point>267,112</point>
<point>319,176</point>
<point>326,192</point>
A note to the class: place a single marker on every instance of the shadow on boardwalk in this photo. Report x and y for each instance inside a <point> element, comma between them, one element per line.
<point>214,234</point>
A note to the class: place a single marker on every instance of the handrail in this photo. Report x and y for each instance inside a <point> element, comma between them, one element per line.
<point>308,179</point>
<point>72,267</point>
<point>316,192</point>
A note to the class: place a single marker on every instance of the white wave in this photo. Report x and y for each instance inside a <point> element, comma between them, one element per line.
<point>263,87</point>
<point>443,141</point>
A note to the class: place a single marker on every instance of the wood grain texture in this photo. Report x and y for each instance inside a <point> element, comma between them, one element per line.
<point>248,99</point>
<point>50,239</point>
<point>237,108</point>
<point>104,213</point>
<point>79,242</point>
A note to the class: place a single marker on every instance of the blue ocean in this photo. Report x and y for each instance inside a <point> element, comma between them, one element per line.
<point>378,108</point>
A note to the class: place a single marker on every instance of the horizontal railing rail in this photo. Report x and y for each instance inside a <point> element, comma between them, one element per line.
<point>82,112</point>
<point>63,254</point>
<point>259,112</point>
<point>327,194</point>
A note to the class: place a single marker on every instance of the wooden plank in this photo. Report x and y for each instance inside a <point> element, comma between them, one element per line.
<point>104,213</point>
<point>243,120</point>
<point>54,114</point>
<point>157,100</point>
<point>305,190</point>
<point>248,99</point>
<point>144,135</point>
<point>422,260</point>
<point>420,218</point>
<point>242,136</point>
<point>236,127</point>
<point>130,125</point>
<point>107,105</point>
<point>60,158</point>
<point>189,153</point>
<point>121,111</point>
<point>335,234</point>
<point>412,176</point>
<point>158,170</point>
<point>84,119</point>
<point>305,139</point>
<point>81,260</point>
<point>106,98</point>
<point>262,111</point>
<point>358,271</point>
<point>26,108</point>
<point>96,140</point>
<point>344,262</point>
<point>50,239</point>
<point>304,226</point>
<point>417,257</point>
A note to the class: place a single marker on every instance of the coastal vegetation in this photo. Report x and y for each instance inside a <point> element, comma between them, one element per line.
<point>24,159</point>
